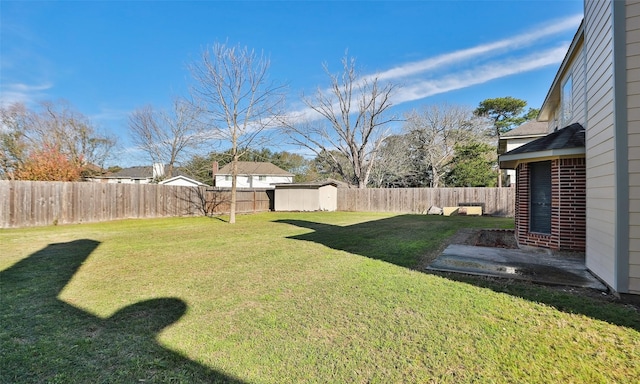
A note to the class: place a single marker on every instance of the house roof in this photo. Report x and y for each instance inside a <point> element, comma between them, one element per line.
<point>568,141</point>
<point>528,129</point>
<point>139,172</point>
<point>255,168</point>
<point>553,96</point>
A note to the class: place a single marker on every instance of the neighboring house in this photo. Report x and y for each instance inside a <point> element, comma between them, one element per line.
<point>253,175</point>
<point>146,175</point>
<point>131,175</point>
<point>579,187</point>
<point>518,137</point>
<point>182,181</point>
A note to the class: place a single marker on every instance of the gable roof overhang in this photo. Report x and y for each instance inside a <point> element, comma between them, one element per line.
<point>529,130</point>
<point>184,178</point>
<point>567,142</point>
<point>512,161</point>
<point>552,99</point>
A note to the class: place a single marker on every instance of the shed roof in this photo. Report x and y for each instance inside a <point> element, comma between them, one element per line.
<point>315,185</point>
<point>568,141</point>
<point>255,168</point>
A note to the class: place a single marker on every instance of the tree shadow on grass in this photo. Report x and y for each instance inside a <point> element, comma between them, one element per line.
<point>396,240</point>
<point>44,339</point>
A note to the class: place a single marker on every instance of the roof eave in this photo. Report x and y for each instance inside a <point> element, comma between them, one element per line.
<point>554,91</point>
<point>512,161</point>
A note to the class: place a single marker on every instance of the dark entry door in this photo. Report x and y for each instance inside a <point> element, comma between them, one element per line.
<point>540,188</point>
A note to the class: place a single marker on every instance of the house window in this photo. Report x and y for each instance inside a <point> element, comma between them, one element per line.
<point>227,177</point>
<point>566,102</point>
<point>540,197</point>
<point>262,178</point>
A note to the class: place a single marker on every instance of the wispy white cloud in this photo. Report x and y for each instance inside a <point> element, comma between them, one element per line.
<point>494,48</point>
<point>464,68</point>
<point>22,93</point>
<point>420,89</point>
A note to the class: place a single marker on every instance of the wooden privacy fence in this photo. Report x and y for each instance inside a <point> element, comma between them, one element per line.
<point>496,201</point>
<point>33,203</point>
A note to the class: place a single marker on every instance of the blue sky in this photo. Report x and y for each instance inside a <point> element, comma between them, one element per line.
<point>109,58</point>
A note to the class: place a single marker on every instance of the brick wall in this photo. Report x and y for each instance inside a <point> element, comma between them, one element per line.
<point>572,212</point>
<point>568,206</point>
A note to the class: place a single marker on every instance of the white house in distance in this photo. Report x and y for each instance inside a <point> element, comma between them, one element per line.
<point>147,175</point>
<point>133,175</point>
<point>252,174</point>
<point>518,137</point>
<point>579,186</point>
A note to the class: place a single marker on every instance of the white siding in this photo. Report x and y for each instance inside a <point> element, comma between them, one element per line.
<point>253,181</point>
<point>633,116</point>
<point>600,255</point>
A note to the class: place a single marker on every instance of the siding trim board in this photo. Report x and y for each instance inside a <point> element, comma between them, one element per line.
<point>621,137</point>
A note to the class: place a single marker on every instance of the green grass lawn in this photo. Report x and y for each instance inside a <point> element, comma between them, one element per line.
<point>288,298</point>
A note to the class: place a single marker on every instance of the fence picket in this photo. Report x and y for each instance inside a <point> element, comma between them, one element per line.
<point>496,201</point>
<point>33,203</point>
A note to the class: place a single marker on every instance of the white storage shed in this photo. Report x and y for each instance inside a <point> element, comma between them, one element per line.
<point>306,197</point>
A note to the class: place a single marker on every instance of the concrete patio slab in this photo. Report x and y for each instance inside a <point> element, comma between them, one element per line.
<point>536,266</point>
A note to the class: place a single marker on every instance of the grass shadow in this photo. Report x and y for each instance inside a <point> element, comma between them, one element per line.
<point>403,240</point>
<point>44,339</point>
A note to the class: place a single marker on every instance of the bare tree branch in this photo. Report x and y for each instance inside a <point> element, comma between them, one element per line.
<point>166,137</point>
<point>52,125</point>
<point>354,124</point>
<point>436,130</point>
<point>236,100</point>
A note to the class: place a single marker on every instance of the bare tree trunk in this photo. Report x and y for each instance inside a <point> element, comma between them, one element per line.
<point>236,99</point>
<point>234,187</point>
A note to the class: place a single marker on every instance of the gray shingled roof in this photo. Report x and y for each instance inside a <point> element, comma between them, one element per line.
<point>255,168</point>
<point>571,136</point>
<point>568,141</point>
<point>143,172</point>
<point>528,129</point>
<point>139,172</point>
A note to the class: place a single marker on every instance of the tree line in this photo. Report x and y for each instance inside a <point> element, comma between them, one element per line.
<point>346,127</point>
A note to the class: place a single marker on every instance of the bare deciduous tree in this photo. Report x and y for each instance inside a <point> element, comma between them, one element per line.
<point>236,100</point>
<point>353,113</point>
<point>52,125</point>
<point>435,131</point>
<point>166,137</point>
<point>394,165</point>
